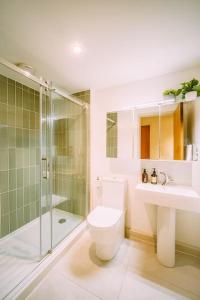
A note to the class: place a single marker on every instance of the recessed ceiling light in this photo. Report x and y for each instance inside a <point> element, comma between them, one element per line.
<point>77,49</point>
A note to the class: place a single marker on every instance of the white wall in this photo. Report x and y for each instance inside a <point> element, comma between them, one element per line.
<point>140,218</point>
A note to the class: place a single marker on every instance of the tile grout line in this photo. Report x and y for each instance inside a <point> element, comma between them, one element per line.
<point>75,283</point>
<point>125,273</point>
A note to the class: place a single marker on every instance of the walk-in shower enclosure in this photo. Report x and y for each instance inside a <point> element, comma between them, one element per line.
<point>43,171</point>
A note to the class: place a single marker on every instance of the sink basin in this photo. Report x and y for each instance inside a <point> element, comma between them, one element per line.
<point>168,198</point>
<point>175,196</point>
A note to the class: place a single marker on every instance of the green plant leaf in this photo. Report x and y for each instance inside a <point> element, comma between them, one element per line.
<point>196,88</point>
<point>178,92</point>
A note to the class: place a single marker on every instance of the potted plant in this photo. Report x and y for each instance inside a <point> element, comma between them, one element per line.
<point>171,93</point>
<point>190,90</point>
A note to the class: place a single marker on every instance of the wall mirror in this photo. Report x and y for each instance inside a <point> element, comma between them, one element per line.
<point>111,134</point>
<point>170,131</point>
<point>148,119</point>
<point>119,134</point>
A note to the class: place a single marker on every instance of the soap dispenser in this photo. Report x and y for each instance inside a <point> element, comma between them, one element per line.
<point>144,176</point>
<point>154,177</point>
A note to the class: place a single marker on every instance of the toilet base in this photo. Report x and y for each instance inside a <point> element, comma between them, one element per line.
<point>107,251</point>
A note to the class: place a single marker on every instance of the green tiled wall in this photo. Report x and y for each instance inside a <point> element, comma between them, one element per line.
<point>19,155</point>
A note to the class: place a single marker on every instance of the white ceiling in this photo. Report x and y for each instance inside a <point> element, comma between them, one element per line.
<point>123,40</point>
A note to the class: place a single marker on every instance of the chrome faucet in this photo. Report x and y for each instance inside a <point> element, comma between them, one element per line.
<point>167,179</point>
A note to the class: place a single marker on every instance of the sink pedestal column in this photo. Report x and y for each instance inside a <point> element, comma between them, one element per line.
<point>166,219</point>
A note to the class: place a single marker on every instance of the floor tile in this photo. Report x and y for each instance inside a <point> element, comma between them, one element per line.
<point>57,287</point>
<point>185,276</point>
<point>139,255</point>
<point>103,279</point>
<point>138,288</point>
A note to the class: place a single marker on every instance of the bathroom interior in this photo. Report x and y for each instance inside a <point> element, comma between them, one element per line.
<point>99,150</point>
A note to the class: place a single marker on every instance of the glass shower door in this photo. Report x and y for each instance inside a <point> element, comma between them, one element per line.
<point>19,165</point>
<point>19,178</point>
<point>64,167</point>
<point>69,166</point>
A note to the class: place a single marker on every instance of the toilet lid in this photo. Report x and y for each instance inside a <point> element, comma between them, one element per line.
<point>102,217</point>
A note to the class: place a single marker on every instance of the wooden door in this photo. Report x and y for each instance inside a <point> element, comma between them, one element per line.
<point>145,142</point>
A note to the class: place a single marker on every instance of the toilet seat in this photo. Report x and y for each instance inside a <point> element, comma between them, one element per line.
<point>104,217</point>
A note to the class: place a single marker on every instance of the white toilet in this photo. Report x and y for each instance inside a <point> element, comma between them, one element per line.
<point>106,222</point>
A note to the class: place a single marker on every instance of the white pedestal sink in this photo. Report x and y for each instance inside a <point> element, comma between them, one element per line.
<point>166,219</point>
<point>168,199</point>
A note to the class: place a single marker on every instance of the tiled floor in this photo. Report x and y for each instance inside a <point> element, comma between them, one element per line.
<point>133,274</point>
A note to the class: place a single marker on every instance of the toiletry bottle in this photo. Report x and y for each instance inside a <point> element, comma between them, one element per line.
<point>144,176</point>
<point>154,177</point>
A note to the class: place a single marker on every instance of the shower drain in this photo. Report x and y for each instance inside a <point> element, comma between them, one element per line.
<point>61,221</point>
